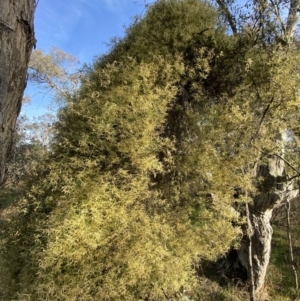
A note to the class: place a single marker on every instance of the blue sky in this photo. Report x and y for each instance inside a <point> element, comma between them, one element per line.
<point>80,27</point>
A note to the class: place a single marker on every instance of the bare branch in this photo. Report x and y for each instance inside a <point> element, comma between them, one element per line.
<point>250,263</point>
<point>230,18</point>
<point>293,177</point>
<point>289,236</point>
<point>277,12</point>
<point>262,118</point>
<point>289,164</point>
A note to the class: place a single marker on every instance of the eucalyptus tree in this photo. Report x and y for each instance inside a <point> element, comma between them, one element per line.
<point>56,73</point>
<point>271,30</point>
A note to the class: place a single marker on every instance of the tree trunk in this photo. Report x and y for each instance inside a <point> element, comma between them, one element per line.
<point>273,191</point>
<point>260,247</point>
<point>16,42</point>
<point>275,188</point>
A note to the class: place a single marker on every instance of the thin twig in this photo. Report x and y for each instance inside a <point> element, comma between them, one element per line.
<point>262,118</point>
<point>289,164</point>
<point>288,224</point>
<point>277,14</point>
<point>250,234</point>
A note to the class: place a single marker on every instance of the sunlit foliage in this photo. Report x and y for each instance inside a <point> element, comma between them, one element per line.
<point>139,182</point>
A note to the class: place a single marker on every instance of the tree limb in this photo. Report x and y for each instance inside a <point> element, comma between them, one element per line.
<point>289,236</point>
<point>230,18</point>
<point>262,118</point>
<point>289,164</point>
<point>292,19</point>
<point>250,263</point>
<point>276,10</point>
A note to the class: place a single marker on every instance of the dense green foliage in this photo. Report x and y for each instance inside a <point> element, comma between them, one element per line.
<point>138,185</point>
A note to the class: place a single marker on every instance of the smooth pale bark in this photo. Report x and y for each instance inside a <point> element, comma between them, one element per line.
<point>16,43</point>
<point>292,19</point>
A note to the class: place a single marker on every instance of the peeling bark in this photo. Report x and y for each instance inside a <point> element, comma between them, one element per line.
<point>16,42</point>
